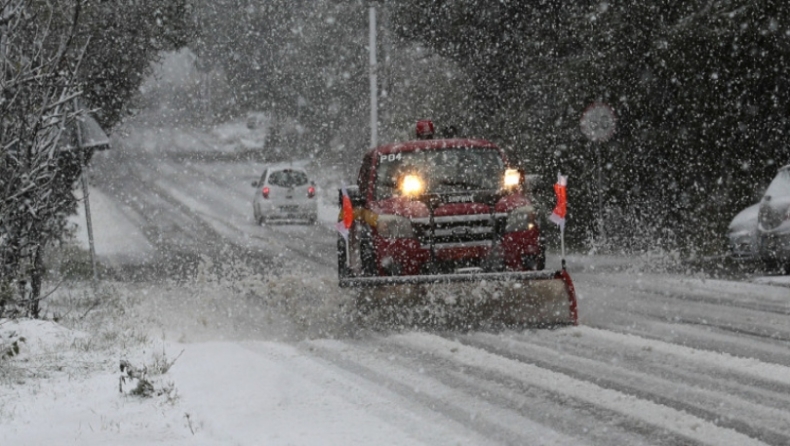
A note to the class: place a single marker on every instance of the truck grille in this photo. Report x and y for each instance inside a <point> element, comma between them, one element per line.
<point>459,230</point>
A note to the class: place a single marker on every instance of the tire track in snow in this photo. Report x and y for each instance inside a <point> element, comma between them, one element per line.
<point>659,306</point>
<point>306,362</point>
<point>607,306</point>
<point>678,422</point>
<point>772,299</point>
<point>709,338</point>
<point>645,358</point>
<point>497,422</point>
<point>651,381</point>
<point>742,322</point>
<point>746,366</point>
<point>415,373</point>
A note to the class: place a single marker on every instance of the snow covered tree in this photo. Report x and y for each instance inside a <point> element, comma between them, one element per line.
<point>123,39</point>
<point>38,82</point>
<point>51,53</point>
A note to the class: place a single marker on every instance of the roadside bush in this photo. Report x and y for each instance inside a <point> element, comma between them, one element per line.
<point>146,381</point>
<point>10,345</point>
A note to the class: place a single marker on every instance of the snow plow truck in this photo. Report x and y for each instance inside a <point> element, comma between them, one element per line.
<point>448,219</point>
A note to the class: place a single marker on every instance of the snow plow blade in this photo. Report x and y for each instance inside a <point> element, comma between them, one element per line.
<point>543,298</point>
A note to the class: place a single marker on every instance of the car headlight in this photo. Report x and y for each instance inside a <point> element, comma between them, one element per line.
<point>521,219</point>
<point>394,226</point>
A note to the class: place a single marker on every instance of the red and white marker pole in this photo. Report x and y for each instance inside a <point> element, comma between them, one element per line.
<point>558,215</point>
<point>344,225</point>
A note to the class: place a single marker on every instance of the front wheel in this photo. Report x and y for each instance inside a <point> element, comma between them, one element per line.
<point>769,264</point>
<point>343,271</point>
<point>369,263</point>
<point>542,258</point>
<point>257,216</point>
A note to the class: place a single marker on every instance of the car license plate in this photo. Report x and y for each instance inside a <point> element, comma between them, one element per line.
<point>290,208</point>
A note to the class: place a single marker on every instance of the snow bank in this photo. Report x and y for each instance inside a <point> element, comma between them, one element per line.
<point>37,337</point>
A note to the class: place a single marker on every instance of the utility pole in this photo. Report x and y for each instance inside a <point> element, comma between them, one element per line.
<point>373,81</point>
<point>209,114</point>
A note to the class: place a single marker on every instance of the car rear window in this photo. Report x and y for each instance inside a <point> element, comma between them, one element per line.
<point>288,178</point>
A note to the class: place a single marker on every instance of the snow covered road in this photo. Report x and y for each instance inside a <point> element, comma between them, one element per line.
<point>658,359</point>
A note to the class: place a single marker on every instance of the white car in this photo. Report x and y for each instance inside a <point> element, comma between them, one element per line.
<point>742,233</point>
<point>773,228</point>
<point>286,194</point>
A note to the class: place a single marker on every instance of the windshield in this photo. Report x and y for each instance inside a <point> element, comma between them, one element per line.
<point>444,171</point>
<point>780,186</point>
<point>288,178</point>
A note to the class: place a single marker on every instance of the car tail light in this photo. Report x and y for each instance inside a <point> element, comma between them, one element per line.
<point>265,192</point>
<point>310,192</point>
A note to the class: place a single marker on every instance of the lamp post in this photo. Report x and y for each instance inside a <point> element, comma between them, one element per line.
<point>89,136</point>
<point>88,223</point>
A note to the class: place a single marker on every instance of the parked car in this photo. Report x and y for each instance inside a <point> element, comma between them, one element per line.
<point>286,194</point>
<point>742,234</point>
<point>773,222</point>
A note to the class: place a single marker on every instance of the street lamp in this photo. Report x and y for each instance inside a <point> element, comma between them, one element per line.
<point>87,134</point>
<point>598,124</point>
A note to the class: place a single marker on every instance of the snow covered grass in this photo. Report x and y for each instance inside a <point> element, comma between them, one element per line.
<point>84,328</point>
<point>67,391</point>
<point>79,323</point>
<point>65,370</point>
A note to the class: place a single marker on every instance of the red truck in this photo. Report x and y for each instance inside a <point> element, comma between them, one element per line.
<point>437,211</point>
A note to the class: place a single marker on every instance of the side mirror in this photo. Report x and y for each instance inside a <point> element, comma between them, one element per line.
<point>254,184</point>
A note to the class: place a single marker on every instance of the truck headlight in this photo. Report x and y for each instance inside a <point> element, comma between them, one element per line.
<point>394,226</point>
<point>511,179</point>
<point>412,185</point>
<point>521,219</point>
